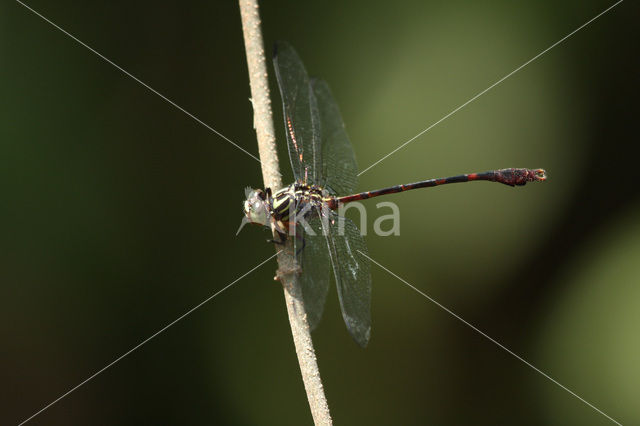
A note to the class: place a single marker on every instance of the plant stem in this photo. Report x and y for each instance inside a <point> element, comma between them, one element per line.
<point>263,124</point>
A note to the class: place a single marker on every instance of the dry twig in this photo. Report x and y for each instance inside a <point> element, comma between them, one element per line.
<point>263,123</point>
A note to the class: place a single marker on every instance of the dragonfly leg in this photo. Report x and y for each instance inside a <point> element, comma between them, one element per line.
<point>282,238</point>
<point>300,237</point>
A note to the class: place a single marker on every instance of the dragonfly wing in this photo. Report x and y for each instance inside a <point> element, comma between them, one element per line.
<point>340,168</point>
<point>301,115</point>
<point>353,276</point>
<point>313,257</point>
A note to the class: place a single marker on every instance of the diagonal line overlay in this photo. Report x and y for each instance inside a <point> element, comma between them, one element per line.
<point>138,80</point>
<point>491,87</point>
<point>144,341</point>
<point>492,340</point>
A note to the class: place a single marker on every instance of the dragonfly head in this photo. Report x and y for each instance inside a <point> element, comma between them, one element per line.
<point>255,207</point>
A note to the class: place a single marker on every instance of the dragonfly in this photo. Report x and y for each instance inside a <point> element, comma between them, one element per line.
<point>325,171</point>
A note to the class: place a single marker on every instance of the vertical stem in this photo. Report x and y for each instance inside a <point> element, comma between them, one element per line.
<point>263,123</point>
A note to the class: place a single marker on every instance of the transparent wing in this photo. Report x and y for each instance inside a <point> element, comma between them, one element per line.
<point>313,257</point>
<point>353,276</point>
<point>301,116</point>
<point>340,168</point>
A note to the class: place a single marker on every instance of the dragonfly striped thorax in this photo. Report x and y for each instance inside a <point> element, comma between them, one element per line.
<point>284,208</point>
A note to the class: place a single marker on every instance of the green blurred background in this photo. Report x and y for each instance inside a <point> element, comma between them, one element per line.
<point>118,214</point>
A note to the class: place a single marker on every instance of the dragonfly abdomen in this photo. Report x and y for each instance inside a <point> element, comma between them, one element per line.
<point>511,177</point>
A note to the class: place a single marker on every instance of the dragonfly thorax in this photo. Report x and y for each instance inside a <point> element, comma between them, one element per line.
<point>297,201</point>
<point>285,206</point>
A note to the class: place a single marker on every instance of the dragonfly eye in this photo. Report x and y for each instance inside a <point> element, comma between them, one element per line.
<point>255,209</point>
